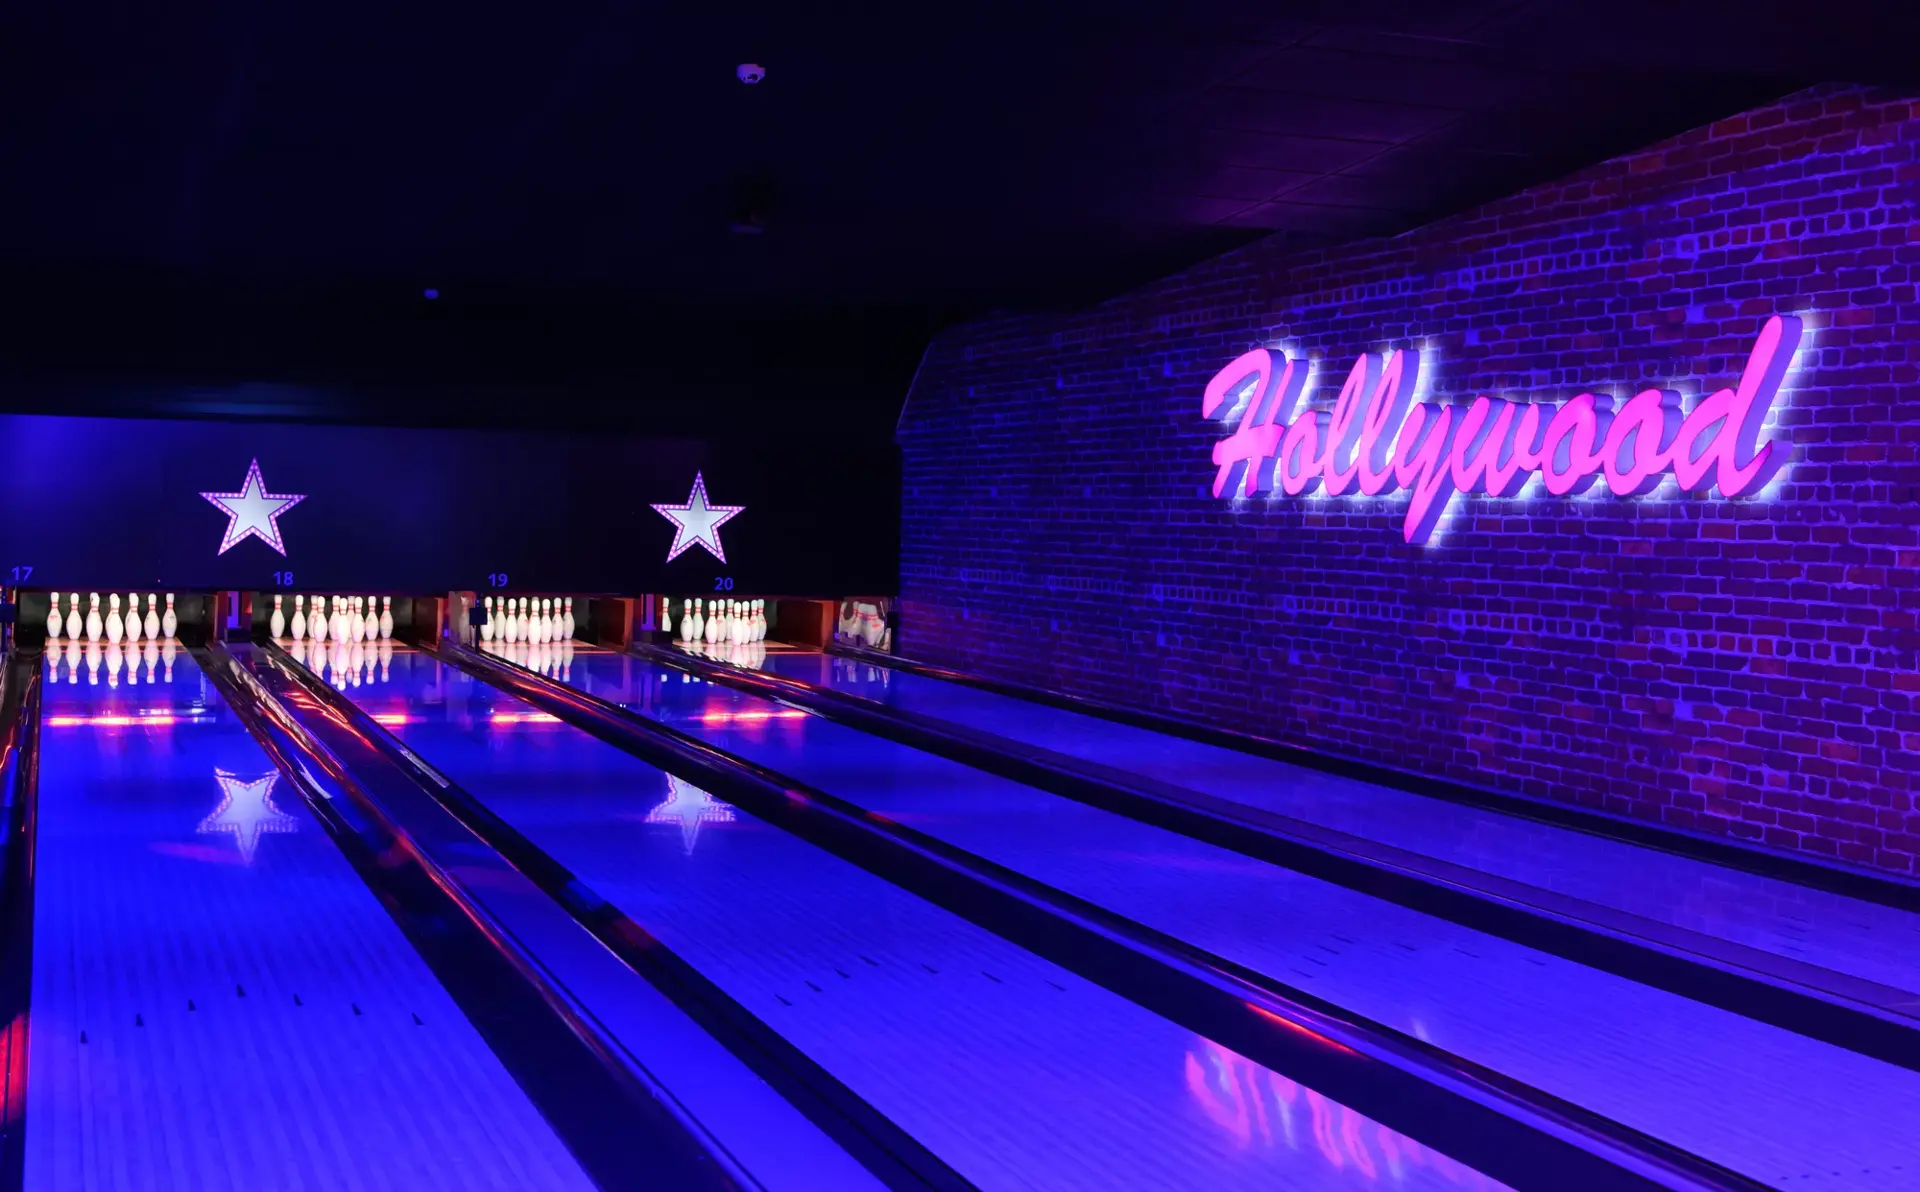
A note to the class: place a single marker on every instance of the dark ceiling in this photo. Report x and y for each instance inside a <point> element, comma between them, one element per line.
<point>213,192</point>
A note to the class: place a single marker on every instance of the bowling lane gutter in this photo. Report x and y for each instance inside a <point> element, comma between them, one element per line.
<point>1812,872</point>
<point>19,805</point>
<point>621,1135</point>
<point>894,1157</point>
<point>1778,991</point>
<point>1510,1131</point>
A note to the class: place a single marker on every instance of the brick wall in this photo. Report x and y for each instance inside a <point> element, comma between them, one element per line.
<point>1745,667</point>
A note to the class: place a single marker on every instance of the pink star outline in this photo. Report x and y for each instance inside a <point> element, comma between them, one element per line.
<point>698,522</point>
<point>253,511</point>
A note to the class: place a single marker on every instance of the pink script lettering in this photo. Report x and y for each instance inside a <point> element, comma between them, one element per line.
<point>1376,439</point>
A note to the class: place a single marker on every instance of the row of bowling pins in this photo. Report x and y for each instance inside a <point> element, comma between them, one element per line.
<point>736,621</point>
<point>552,659</point>
<point>344,664</point>
<point>340,619</point>
<point>154,653</point>
<point>862,623</point>
<point>550,620</point>
<point>114,627</point>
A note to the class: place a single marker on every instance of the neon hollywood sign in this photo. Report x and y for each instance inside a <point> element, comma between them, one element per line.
<point>1375,439</point>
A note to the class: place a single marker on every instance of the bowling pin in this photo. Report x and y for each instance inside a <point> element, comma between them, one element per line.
<point>373,619</point>
<point>133,625</point>
<point>486,628</point>
<point>299,626</point>
<point>277,624</point>
<point>525,625</point>
<point>317,623</point>
<point>686,619</point>
<point>73,616</point>
<point>546,619</point>
<point>152,624</point>
<point>169,623</point>
<point>114,624</point>
<point>94,625</point>
<point>666,615</point>
<point>386,617</point>
<point>567,623</point>
<point>53,617</point>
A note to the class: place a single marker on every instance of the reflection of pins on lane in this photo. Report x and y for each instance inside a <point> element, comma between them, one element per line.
<point>167,649</point>
<point>153,658</point>
<point>73,660</point>
<point>73,616</point>
<point>114,659</point>
<point>93,664</point>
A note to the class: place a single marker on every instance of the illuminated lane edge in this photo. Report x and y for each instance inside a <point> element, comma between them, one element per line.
<point>18,767</point>
<point>1376,439</point>
<point>895,1159</point>
<point>1505,1129</point>
<point>603,1117</point>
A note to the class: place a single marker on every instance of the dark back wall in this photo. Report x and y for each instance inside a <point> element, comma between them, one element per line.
<point>1735,666</point>
<point>107,503</point>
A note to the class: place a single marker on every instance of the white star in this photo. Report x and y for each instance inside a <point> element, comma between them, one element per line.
<point>246,810</point>
<point>252,511</point>
<point>689,806</point>
<point>697,521</point>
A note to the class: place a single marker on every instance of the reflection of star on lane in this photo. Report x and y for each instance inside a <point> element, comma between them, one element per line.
<point>246,810</point>
<point>697,521</point>
<point>689,806</point>
<point>252,511</point>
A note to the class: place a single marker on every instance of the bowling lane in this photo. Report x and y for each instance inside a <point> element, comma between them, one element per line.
<point>219,1002</point>
<point>1013,1071</point>
<point>1751,1097</point>
<point>1831,931</point>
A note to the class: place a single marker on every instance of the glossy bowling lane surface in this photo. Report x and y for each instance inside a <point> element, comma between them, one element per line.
<point>219,1002</point>
<point>1014,1072</point>
<point>1840,934</point>
<point>1751,1097</point>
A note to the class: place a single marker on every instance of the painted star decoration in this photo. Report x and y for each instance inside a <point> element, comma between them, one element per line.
<point>698,522</point>
<point>689,806</point>
<point>246,810</point>
<point>253,511</point>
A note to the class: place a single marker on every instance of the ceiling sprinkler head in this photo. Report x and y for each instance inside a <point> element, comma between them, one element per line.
<point>749,73</point>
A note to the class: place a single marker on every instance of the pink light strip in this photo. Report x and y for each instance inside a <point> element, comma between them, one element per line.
<point>735,717</point>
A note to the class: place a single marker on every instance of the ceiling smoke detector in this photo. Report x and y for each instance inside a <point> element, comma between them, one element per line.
<point>749,72</point>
